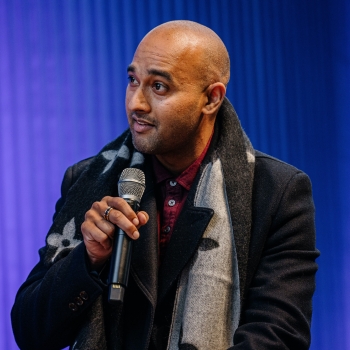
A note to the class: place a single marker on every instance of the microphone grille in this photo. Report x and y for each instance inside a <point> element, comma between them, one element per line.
<point>131,184</point>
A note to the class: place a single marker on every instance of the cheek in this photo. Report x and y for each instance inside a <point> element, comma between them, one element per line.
<point>188,112</point>
<point>178,115</point>
<point>184,105</point>
<point>126,101</point>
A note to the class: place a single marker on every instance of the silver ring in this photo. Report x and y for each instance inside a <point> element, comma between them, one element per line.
<point>106,213</point>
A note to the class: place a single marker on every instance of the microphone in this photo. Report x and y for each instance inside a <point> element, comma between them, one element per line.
<point>131,186</point>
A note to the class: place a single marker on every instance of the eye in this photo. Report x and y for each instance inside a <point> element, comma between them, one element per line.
<point>159,87</point>
<point>132,80</point>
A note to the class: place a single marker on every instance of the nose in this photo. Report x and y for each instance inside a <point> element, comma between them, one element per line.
<point>137,101</point>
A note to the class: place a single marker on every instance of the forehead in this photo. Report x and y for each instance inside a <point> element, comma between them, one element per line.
<point>173,56</point>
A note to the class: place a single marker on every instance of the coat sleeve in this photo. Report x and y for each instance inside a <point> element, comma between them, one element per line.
<point>53,301</point>
<point>276,312</point>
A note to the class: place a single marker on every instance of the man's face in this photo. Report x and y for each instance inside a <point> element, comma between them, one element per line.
<point>165,97</point>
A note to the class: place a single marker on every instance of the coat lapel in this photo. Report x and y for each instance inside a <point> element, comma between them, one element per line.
<point>144,265</point>
<point>184,241</point>
<point>188,231</point>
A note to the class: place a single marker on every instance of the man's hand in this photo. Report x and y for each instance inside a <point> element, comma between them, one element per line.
<point>98,233</point>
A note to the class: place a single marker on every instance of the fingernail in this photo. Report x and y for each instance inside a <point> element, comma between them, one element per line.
<point>136,235</point>
<point>135,221</point>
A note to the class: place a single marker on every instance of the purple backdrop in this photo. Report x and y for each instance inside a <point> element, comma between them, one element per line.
<point>62,81</point>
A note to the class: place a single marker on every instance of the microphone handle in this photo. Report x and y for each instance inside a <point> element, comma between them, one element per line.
<point>120,262</point>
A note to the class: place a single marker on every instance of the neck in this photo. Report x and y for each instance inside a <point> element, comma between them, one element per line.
<point>177,163</point>
<point>176,166</point>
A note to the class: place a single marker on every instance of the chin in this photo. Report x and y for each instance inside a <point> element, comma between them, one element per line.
<point>144,147</point>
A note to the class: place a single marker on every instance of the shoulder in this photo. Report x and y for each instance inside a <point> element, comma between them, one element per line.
<point>275,179</point>
<point>266,165</point>
<point>272,173</point>
<point>70,177</point>
<point>74,171</point>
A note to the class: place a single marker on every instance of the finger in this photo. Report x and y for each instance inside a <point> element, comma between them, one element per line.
<point>119,219</point>
<point>143,218</point>
<point>106,227</point>
<point>94,217</point>
<point>95,239</point>
<point>121,205</point>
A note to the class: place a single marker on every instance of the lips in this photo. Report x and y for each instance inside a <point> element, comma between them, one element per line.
<point>140,125</point>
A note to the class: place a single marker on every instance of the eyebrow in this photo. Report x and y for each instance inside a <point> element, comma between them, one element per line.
<point>158,72</point>
<point>161,73</point>
<point>130,68</point>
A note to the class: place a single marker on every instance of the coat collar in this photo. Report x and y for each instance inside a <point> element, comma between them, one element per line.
<point>238,161</point>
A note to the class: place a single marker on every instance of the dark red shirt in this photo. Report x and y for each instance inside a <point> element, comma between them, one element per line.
<point>171,194</point>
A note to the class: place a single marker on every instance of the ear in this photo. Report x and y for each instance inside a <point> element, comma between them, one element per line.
<point>215,93</point>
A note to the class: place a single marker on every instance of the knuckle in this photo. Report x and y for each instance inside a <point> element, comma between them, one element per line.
<point>119,201</point>
<point>106,198</point>
<point>117,215</point>
<point>84,227</point>
<point>96,206</point>
<point>89,215</point>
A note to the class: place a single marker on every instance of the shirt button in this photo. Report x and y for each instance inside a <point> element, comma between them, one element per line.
<point>167,229</point>
<point>73,306</point>
<point>171,203</point>
<point>173,183</point>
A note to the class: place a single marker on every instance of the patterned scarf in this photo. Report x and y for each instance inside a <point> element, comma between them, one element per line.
<point>207,305</point>
<point>100,178</point>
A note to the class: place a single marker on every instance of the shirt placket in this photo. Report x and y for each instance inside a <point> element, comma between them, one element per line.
<point>170,208</point>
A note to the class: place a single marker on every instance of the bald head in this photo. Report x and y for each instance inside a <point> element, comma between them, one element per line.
<point>177,82</point>
<point>196,43</point>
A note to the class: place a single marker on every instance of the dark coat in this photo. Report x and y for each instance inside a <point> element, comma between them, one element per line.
<point>276,270</point>
<point>279,275</point>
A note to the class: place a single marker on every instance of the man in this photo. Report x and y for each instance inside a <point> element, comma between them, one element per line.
<point>224,246</point>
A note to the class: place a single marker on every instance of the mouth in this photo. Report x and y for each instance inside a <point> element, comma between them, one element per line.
<point>140,125</point>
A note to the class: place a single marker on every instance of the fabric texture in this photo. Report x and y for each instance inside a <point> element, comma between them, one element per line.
<point>64,235</point>
<point>206,310</point>
<point>273,235</point>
